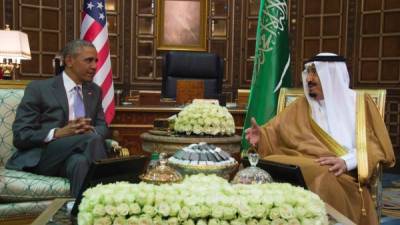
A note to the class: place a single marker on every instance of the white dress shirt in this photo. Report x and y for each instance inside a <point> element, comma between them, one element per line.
<point>69,85</point>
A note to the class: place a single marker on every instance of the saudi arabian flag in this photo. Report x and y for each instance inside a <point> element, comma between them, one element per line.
<point>271,63</point>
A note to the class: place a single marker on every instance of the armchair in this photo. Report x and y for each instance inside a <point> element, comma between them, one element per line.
<point>192,65</point>
<point>288,95</point>
<point>22,194</point>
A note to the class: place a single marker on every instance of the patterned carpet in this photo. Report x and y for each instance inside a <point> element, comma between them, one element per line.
<point>391,199</point>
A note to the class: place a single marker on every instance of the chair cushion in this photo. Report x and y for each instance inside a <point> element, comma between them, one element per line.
<point>9,100</point>
<point>19,209</point>
<point>24,186</point>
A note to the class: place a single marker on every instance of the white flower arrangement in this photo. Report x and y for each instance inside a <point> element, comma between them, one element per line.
<point>204,118</point>
<point>200,200</point>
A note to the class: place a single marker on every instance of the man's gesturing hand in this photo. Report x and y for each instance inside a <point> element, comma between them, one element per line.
<point>338,165</point>
<point>253,133</point>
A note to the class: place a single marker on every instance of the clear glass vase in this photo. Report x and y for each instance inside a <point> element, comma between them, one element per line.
<point>252,174</point>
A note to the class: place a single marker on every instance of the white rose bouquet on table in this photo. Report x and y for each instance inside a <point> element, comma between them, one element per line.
<point>200,199</point>
<point>204,118</point>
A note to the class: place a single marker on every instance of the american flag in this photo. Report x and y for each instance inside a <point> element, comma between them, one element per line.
<point>94,29</point>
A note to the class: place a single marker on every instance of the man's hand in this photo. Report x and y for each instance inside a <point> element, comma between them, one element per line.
<point>253,133</point>
<point>77,126</point>
<point>338,165</point>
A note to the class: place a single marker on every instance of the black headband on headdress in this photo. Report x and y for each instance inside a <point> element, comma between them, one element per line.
<point>327,58</point>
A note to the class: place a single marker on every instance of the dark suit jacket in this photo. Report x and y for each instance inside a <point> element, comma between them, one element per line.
<point>44,107</point>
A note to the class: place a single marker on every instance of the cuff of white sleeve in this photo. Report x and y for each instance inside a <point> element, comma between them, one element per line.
<point>50,135</point>
<point>350,160</point>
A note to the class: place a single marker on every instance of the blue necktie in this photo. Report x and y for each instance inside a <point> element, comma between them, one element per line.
<point>79,107</point>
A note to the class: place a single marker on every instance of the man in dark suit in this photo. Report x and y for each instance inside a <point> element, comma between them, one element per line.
<point>59,127</point>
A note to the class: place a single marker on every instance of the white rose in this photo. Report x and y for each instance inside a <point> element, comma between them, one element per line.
<point>280,221</point>
<point>204,211</point>
<point>110,210</point>
<point>119,221</point>
<point>188,222</point>
<point>144,220</point>
<point>119,197</point>
<point>184,213</point>
<point>244,210</point>
<point>157,220</point>
<point>149,210</point>
<point>174,209</point>
<point>99,210</point>
<point>293,221</point>
<point>195,211</point>
<point>85,218</point>
<point>238,221</point>
<point>274,214</point>
<point>229,213</point>
<point>286,211</point>
<point>217,211</point>
<point>130,197</point>
<point>163,209</point>
<point>259,210</point>
<point>201,222</point>
<point>122,209</point>
<point>252,222</point>
<point>264,222</point>
<point>306,221</point>
<point>133,220</point>
<point>134,208</point>
<point>300,211</point>
<point>141,198</point>
<point>102,221</point>
<point>108,200</point>
<point>86,205</point>
<point>172,221</point>
<point>224,222</point>
<point>214,222</point>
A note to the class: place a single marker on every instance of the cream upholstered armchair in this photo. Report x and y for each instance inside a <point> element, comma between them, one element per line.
<point>288,95</point>
<point>21,193</point>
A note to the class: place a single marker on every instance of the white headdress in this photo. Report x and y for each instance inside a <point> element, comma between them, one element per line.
<point>339,99</point>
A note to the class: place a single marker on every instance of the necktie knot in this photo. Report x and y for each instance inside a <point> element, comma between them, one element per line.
<point>79,108</point>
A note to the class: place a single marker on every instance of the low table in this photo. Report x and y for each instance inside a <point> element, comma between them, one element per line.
<point>56,213</point>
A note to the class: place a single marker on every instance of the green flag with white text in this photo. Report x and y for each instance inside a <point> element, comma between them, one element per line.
<point>271,63</point>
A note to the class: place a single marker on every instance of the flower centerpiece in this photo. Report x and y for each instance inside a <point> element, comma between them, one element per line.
<point>200,200</point>
<point>205,118</point>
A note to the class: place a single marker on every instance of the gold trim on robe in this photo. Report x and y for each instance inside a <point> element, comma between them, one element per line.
<point>331,143</point>
<point>361,139</point>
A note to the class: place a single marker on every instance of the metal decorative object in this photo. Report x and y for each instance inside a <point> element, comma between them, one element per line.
<point>161,173</point>
<point>203,158</point>
<point>252,174</point>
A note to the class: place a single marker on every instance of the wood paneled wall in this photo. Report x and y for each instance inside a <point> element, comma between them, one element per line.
<point>364,31</point>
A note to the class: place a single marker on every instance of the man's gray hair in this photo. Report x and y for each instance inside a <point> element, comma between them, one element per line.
<point>73,47</point>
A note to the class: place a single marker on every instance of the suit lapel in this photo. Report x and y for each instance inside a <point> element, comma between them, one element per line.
<point>61,96</point>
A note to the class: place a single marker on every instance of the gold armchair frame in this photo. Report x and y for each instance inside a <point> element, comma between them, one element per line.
<point>289,95</point>
<point>13,84</point>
